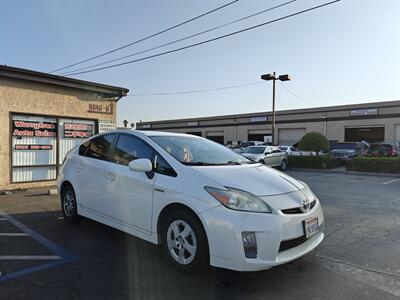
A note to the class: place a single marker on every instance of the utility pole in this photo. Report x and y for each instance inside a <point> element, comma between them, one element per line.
<point>273,77</point>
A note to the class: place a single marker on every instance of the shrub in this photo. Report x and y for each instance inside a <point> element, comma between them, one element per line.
<point>313,162</point>
<point>314,141</point>
<point>374,164</point>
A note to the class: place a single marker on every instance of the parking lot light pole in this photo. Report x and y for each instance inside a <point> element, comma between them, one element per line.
<point>273,77</point>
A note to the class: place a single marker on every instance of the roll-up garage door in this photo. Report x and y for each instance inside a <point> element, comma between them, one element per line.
<point>291,136</point>
<point>369,134</point>
<point>397,133</point>
<point>258,135</point>
<point>216,136</point>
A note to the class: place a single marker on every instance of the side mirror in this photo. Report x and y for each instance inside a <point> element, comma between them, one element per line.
<point>141,165</point>
<point>267,153</point>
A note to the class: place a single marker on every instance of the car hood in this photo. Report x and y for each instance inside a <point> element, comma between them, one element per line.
<point>252,156</point>
<point>257,179</point>
<point>344,150</point>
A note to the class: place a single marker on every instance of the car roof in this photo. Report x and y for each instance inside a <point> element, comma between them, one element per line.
<point>152,133</point>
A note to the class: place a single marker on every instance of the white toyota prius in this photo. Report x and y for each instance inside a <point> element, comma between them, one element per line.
<point>205,204</point>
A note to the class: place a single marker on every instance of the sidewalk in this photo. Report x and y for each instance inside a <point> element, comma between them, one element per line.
<point>342,170</point>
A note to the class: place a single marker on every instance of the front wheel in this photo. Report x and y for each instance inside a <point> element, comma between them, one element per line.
<point>68,204</point>
<point>283,165</point>
<point>185,242</point>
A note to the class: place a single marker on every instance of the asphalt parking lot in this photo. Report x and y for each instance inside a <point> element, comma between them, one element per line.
<point>42,257</point>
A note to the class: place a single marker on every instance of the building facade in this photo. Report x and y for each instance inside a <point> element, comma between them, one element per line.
<point>374,122</point>
<point>42,116</point>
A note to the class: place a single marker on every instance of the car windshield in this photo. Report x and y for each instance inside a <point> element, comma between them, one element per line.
<point>283,148</point>
<point>254,150</point>
<point>198,151</point>
<point>347,146</point>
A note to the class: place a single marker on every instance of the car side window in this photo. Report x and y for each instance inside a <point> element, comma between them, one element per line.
<point>99,147</point>
<point>276,150</point>
<point>129,148</point>
<point>161,166</point>
<point>83,148</point>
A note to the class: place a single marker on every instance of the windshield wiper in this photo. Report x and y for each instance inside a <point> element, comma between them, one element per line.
<point>202,163</point>
<point>198,163</point>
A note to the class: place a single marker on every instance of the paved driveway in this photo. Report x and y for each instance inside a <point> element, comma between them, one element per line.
<point>360,257</point>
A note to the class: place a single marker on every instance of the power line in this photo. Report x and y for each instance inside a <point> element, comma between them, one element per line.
<point>147,37</point>
<point>297,96</point>
<point>181,39</point>
<point>209,40</point>
<point>197,91</point>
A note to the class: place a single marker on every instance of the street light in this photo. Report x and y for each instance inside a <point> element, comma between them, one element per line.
<point>273,77</point>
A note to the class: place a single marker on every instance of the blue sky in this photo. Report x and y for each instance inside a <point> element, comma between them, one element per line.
<point>348,52</point>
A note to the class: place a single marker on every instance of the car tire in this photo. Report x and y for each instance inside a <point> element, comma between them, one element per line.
<point>69,206</point>
<point>262,161</point>
<point>283,165</point>
<point>185,242</point>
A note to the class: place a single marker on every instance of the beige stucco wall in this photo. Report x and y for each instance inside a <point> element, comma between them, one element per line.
<point>36,98</point>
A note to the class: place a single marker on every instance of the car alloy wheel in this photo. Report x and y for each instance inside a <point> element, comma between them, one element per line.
<point>69,203</point>
<point>182,242</point>
<point>283,165</point>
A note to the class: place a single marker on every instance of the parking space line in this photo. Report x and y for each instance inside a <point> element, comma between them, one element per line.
<point>60,257</point>
<point>391,181</point>
<point>29,257</point>
<point>14,234</point>
<point>3,219</point>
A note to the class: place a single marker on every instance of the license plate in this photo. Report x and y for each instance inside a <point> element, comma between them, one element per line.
<point>310,227</point>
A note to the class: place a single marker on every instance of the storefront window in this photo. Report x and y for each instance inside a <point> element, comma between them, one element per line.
<point>38,140</point>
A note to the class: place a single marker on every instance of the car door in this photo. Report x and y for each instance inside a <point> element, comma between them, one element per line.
<point>268,159</point>
<point>129,194</point>
<point>276,156</point>
<point>91,171</point>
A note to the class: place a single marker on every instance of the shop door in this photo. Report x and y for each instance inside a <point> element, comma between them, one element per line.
<point>72,132</point>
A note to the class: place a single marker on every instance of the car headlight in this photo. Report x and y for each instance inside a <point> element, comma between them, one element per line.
<point>308,194</point>
<point>239,200</point>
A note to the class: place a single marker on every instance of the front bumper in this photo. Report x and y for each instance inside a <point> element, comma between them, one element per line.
<point>224,229</point>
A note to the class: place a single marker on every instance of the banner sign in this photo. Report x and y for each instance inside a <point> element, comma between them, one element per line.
<point>34,129</point>
<point>364,112</point>
<point>33,147</point>
<point>78,130</point>
<point>259,119</point>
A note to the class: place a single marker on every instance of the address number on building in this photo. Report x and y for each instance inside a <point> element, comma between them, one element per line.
<point>101,108</point>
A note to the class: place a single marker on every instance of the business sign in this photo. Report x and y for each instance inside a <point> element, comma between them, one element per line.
<point>33,147</point>
<point>364,112</point>
<point>78,130</point>
<point>34,129</point>
<point>105,125</point>
<point>101,108</point>
<point>259,119</point>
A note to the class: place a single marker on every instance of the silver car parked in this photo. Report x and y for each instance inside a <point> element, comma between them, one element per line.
<point>269,155</point>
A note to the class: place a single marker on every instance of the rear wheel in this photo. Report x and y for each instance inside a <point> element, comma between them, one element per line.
<point>184,241</point>
<point>283,165</point>
<point>68,204</point>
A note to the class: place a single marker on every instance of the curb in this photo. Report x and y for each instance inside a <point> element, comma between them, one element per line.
<point>346,172</point>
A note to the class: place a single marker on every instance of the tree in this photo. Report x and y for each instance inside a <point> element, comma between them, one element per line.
<point>314,141</point>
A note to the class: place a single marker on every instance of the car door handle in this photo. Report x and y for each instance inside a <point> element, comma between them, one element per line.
<point>110,176</point>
